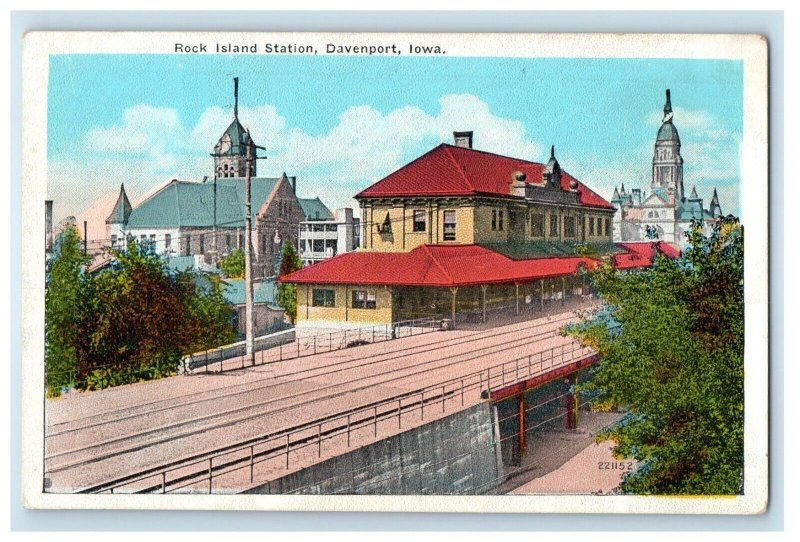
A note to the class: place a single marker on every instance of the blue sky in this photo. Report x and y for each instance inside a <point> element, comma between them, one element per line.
<point>341,123</point>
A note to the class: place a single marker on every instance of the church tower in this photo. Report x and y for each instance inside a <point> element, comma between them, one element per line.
<point>230,152</point>
<point>667,161</point>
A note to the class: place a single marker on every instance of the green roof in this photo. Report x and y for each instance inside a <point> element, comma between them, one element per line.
<point>314,209</point>
<point>263,292</point>
<point>524,250</point>
<point>186,204</point>
<point>691,208</point>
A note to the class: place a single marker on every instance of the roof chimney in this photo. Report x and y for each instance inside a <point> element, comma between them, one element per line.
<point>463,139</point>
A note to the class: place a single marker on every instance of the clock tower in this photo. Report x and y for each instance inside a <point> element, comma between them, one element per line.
<point>667,160</point>
<point>230,152</point>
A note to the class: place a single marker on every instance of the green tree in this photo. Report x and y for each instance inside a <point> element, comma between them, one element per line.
<point>671,341</point>
<point>207,314</point>
<point>233,264</point>
<point>287,293</point>
<point>141,319</point>
<point>65,296</point>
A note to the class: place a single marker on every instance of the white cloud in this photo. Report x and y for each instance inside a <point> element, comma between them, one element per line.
<point>151,144</point>
<point>143,129</point>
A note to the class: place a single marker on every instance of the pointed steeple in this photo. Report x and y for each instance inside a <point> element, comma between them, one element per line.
<point>231,149</point>
<point>551,175</point>
<point>714,208</point>
<point>622,189</point>
<point>694,193</point>
<point>616,197</point>
<point>122,209</point>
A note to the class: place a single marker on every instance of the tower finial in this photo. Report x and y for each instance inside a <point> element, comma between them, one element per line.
<point>552,151</point>
<point>668,105</point>
<point>236,98</point>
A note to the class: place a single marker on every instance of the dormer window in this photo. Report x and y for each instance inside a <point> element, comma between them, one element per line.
<point>386,227</point>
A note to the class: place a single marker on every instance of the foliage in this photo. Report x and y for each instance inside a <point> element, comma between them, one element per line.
<point>233,264</point>
<point>65,294</point>
<point>586,250</point>
<point>136,320</point>
<point>672,350</point>
<point>287,293</point>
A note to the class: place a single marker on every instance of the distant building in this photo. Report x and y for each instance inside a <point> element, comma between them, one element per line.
<point>458,230</point>
<point>190,218</point>
<point>267,315</point>
<point>208,218</point>
<point>666,213</point>
<point>324,234</point>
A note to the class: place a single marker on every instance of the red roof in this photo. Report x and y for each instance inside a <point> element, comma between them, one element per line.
<point>434,265</point>
<point>642,254</point>
<point>456,171</point>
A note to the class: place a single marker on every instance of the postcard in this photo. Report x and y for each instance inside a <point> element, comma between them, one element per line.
<point>397,272</point>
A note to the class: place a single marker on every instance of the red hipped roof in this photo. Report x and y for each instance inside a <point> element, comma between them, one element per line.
<point>643,254</point>
<point>456,171</point>
<point>435,265</point>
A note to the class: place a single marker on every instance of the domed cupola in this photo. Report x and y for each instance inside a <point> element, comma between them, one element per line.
<point>668,132</point>
<point>667,160</point>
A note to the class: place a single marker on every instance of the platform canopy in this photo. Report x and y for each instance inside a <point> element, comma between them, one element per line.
<point>461,265</point>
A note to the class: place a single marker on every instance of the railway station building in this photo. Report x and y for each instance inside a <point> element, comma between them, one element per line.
<point>459,233</point>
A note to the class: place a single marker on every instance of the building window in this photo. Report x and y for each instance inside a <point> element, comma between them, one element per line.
<point>113,240</point>
<point>494,219</point>
<point>202,244</point>
<point>537,225</point>
<point>263,243</point>
<point>569,226</point>
<point>606,227</point>
<point>323,298</point>
<point>167,241</point>
<point>228,240</point>
<point>186,249</point>
<point>419,220</point>
<point>364,300</point>
<point>553,225</point>
<point>330,246</point>
<point>449,226</point>
<point>500,220</point>
<point>591,225</point>
<point>318,245</point>
<point>153,238</point>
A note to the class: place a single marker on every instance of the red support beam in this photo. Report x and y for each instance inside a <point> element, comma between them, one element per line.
<point>535,382</point>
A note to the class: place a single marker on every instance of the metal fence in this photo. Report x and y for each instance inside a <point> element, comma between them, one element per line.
<point>261,458</point>
<point>298,347</point>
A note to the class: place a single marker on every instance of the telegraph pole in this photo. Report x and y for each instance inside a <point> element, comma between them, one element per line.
<point>248,261</point>
<point>250,161</point>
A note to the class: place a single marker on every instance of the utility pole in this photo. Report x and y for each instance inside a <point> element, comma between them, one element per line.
<point>250,161</point>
